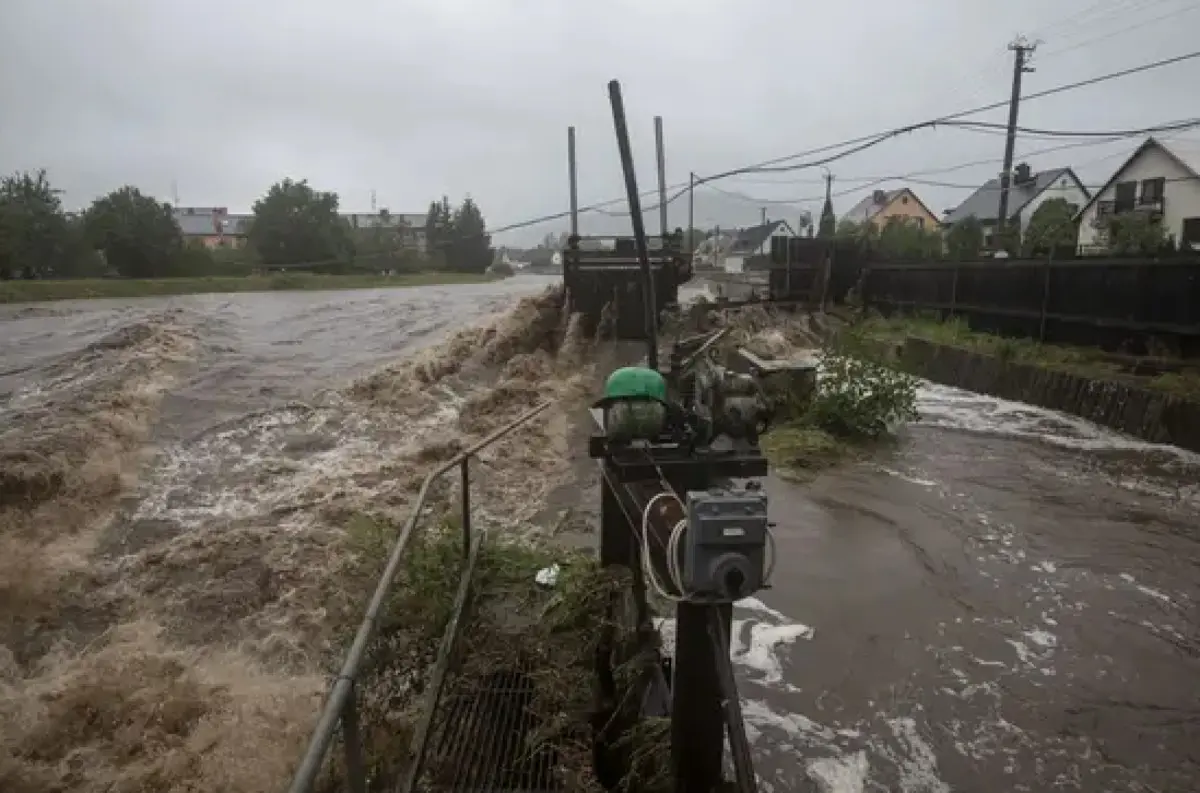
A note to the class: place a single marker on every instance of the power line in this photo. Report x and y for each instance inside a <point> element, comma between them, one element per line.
<point>1122,31</point>
<point>879,137</point>
<point>914,176</point>
<point>855,145</point>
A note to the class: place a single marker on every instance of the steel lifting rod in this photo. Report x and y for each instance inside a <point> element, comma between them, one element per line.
<point>639,226</point>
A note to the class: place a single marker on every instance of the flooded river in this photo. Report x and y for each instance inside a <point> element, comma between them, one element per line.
<point>1004,600</point>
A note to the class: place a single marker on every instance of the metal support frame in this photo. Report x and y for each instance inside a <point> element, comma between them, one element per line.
<point>702,676</point>
<point>341,706</point>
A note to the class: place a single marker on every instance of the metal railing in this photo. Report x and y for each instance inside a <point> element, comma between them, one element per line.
<point>341,706</point>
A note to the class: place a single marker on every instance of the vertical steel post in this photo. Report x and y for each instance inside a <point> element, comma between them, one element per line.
<point>466,506</point>
<point>662,176</point>
<point>691,209</point>
<point>356,774</point>
<point>574,184</point>
<point>650,306</point>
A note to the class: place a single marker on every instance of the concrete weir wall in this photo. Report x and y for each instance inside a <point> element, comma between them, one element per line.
<point>1144,413</point>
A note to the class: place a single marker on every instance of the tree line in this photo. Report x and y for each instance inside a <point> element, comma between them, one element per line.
<point>1051,231</point>
<point>130,234</point>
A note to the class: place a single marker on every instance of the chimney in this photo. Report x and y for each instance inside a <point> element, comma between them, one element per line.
<point>1022,174</point>
<point>878,197</point>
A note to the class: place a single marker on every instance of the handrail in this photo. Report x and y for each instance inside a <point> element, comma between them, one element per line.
<point>341,704</point>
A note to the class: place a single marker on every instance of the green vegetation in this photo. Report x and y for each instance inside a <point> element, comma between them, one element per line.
<point>511,623</point>
<point>1051,228</point>
<point>897,238</point>
<point>127,234</point>
<point>1083,361</point>
<point>78,289</point>
<point>964,240</point>
<point>294,223</point>
<point>855,405</point>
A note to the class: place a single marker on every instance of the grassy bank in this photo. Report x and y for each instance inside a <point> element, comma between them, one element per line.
<point>512,623</point>
<point>855,405</point>
<point>38,291</point>
<point>1082,361</point>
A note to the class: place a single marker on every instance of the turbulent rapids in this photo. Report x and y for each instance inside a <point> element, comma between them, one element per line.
<point>181,491</point>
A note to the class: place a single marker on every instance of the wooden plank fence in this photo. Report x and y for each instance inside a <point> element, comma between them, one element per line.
<point>1108,303</point>
<point>1128,304</point>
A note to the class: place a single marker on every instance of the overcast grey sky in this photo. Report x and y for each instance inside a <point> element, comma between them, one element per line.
<point>416,98</point>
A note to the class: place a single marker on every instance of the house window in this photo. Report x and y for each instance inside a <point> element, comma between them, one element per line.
<point>1152,190</point>
<point>1191,233</point>
<point>920,222</point>
<point>904,200</point>
<point>1126,196</point>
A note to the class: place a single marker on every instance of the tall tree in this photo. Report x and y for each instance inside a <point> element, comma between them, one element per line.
<point>35,235</point>
<point>471,247</point>
<point>136,233</point>
<point>827,227</point>
<point>439,230</point>
<point>1051,228</point>
<point>964,240</point>
<point>295,224</point>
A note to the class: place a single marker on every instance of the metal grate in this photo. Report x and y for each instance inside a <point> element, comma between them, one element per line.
<point>483,744</point>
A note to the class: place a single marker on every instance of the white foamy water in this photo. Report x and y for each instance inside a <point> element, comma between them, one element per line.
<point>956,409</point>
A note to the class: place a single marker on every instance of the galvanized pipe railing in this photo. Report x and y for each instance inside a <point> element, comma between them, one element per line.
<point>341,706</point>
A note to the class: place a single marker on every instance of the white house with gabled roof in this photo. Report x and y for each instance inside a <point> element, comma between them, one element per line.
<point>1159,179</point>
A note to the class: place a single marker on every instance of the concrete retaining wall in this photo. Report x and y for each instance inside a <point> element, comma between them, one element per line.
<point>1148,414</point>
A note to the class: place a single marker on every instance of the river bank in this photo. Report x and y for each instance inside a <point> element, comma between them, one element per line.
<point>80,289</point>
<point>1159,407</point>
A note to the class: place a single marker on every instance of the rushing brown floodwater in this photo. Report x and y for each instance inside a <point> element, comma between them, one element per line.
<point>1005,601</point>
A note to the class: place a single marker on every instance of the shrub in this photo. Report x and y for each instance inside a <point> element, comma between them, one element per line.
<point>859,399</point>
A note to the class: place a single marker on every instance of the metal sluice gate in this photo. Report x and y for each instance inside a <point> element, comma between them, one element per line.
<point>682,509</point>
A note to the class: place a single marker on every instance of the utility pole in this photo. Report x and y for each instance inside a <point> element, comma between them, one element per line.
<point>662,177</point>
<point>1021,50</point>
<point>691,210</point>
<point>573,185</point>
<point>764,216</point>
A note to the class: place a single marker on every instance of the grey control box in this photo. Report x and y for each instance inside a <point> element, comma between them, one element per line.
<point>724,553</point>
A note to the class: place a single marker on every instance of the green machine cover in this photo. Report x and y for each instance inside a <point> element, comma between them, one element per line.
<point>635,404</point>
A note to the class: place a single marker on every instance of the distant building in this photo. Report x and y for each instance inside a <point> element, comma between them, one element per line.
<point>217,227</point>
<point>212,227</point>
<point>1027,191</point>
<point>1160,181</point>
<point>885,205</point>
<point>411,225</point>
<point>752,243</point>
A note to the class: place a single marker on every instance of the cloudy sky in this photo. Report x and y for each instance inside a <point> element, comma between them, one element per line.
<point>418,98</point>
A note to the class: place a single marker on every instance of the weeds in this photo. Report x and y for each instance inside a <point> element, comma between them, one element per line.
<point>511,623</point>
<point>1082,361</point>
<point>855,403</point>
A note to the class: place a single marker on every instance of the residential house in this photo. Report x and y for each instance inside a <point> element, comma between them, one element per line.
<point>212,227</point>
<point>754,242</point>
<point>1027,192</point>
<point>411,225</point>
<point>1159,180</point>
<point>883,206</point>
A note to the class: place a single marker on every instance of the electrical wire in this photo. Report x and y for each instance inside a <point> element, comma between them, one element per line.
<point>850,146</point>
<point>1123,30</point>
<point>674,541</point>
<point>914,176</point>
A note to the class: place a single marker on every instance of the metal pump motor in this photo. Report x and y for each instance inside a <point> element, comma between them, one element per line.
<point>724,553</point>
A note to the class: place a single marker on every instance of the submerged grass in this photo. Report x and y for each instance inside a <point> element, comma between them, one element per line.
<point>1083,361</point>
<point>79,289</point>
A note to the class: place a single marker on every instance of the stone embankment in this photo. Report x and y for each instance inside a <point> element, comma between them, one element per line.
<point>1126,406</point>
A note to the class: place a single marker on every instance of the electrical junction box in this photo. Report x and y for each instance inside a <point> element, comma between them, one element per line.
<point>724,553</point>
